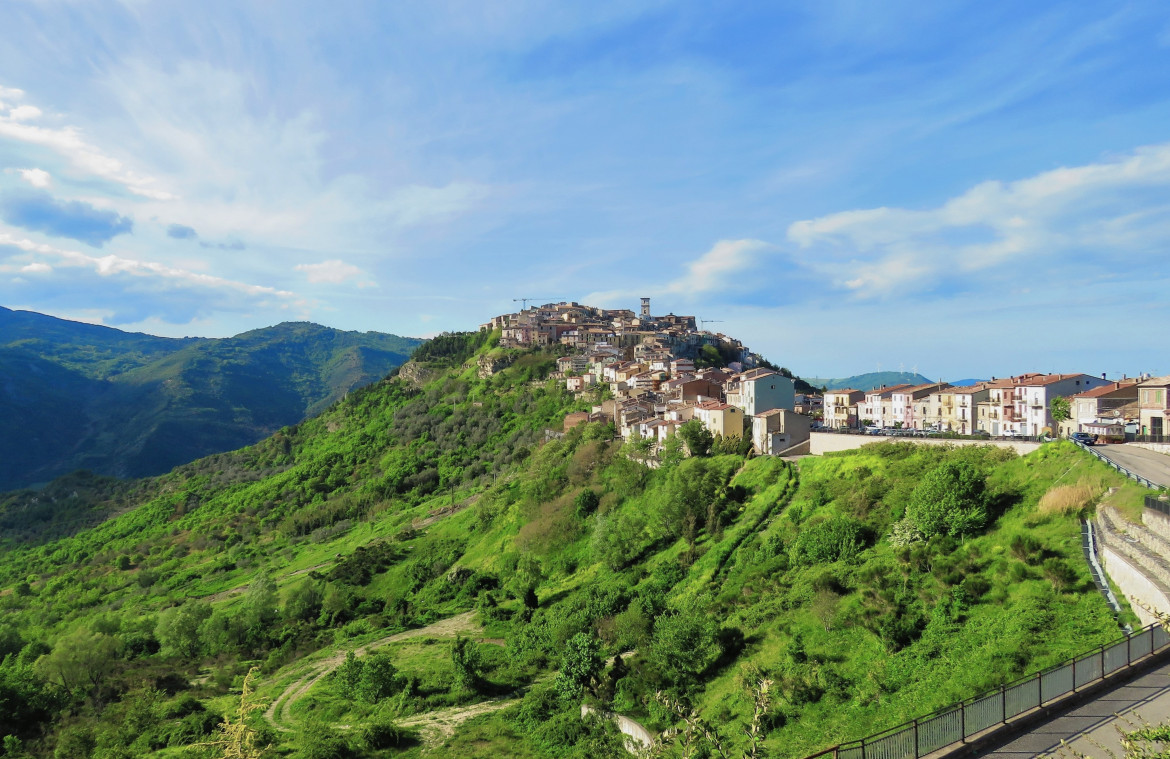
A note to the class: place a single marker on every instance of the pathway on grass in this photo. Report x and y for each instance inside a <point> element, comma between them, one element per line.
<point>439,725</point>
<point>279,712</point>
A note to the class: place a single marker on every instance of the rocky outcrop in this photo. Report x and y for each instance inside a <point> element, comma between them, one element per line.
<point>415,373</point>
<point>489,365</point>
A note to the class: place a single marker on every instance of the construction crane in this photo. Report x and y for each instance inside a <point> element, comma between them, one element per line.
<point>703,322</point>
<point>524,301</point>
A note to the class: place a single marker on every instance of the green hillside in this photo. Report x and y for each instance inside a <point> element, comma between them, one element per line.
<point>870,381</point>
<point>80,396</point>
<point>424,570</point>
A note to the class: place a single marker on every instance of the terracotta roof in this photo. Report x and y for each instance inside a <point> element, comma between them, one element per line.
<point>773,412</point>
<point>1112,387</point>
<point>1156,382</point>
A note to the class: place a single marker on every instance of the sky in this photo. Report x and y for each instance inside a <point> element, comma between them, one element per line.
<point>964,189</point>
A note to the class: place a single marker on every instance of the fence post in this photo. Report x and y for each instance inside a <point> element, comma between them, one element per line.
<point>1039,689</point>
<point>1003,701</point>
<point>916,754</point>
<point>963,723</point>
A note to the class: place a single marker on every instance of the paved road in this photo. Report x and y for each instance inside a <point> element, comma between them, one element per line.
<point>1155,467</point>
<point>1091,729</point>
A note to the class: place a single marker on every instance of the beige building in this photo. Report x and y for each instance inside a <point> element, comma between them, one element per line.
<point>778,430</point>
<point>841,408</point>
<point>720,418</point>
<point>1108,404</point>
<point>1154,407</point>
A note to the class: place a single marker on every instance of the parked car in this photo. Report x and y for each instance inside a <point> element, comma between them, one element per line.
<point>1082,437</point>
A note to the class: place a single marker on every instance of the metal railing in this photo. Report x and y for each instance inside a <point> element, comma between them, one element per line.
<point>1132,475</point>
<point>1157,504</point>
<point>958,722</point>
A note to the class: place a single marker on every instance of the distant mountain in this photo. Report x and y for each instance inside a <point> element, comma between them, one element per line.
<point>966,382</point>
<point>870,381</point>
<point>80,396</point>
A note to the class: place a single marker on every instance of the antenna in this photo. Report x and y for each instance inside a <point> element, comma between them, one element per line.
<point>524,301</point>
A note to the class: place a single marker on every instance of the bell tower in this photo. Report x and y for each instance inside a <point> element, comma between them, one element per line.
<point>645,308</point>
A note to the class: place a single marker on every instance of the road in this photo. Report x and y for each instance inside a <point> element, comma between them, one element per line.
<point>1155,467</point>
<point>1091,728</point>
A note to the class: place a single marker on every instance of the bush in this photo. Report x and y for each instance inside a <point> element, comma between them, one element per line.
<point>835,539</point>
<point>950,500</point>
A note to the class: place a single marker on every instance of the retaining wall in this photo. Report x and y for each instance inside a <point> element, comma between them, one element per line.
<point>1156,447</point>
<point>1133,583</point>
<point>825,442</point>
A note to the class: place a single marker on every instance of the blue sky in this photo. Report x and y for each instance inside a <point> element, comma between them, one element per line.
<point>968,189</point>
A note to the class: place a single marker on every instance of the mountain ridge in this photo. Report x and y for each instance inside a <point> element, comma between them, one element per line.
<point>83,396</point>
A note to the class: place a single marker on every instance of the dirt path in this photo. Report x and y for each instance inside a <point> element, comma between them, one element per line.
<point>439,725</point>
<point>295,691</point>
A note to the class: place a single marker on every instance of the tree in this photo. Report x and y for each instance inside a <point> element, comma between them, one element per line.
<point>685,644</point>
<point>468,664</point>
<point>80,662</point>
<point>580,666</point>
<point>697,437</point>
<point>378,678</point>
<point>586,503</point>
<point>1061,409</point>
<point>178,628</point>
<point>950,500</point>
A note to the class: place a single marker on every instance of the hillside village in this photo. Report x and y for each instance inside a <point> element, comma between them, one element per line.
<point>663,371</point>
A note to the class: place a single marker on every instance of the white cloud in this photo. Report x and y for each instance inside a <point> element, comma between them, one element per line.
<point>332,272</point>
<point>1091,215</point>
<point>38,178</point>
<point>69,143</point>
<point>713,270</point>
<point>36,268</point>
<point>110,265</point>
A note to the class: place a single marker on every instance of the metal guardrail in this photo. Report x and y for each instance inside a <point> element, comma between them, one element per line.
<point>958,722</point>
<point>1132,475</point>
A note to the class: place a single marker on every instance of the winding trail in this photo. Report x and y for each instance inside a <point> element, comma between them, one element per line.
<point>279,712</point>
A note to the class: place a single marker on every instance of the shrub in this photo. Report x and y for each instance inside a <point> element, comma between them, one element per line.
<point>950,500</point>
<point>835,539</point>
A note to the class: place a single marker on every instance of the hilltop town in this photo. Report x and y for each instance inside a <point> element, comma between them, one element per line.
<point>661,372</point>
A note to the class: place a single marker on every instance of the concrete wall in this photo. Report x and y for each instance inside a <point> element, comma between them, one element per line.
<point>1135,585</point>
<point>1156,522</point>
<point>1156,447</point>
<point>825,442</point>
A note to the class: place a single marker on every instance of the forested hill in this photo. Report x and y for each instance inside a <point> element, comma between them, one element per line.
<point>422,570</point>
<point>81,396</point>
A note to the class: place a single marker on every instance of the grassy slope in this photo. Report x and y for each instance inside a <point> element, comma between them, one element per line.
<point>377,464</point>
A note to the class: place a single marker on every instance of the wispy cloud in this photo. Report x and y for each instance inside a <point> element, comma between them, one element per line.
<point>69,142</point>
<point>1095,215</point>
<point>333,272</point>
<point>112,266</point>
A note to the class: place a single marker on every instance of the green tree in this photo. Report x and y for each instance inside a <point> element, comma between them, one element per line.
<point>586,503</point>
<point>685,644</point>
<point>178,628</point>
<point>378,678</point>
<point>950,500</point>
<point>697,437</point>
<point>616,539</point>
<point>81,662</point>
<point>580,666</point>
<point>1061,409</point>
<point>468,663</point>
